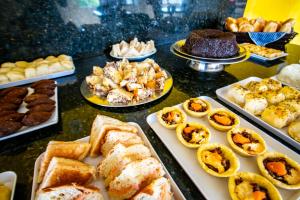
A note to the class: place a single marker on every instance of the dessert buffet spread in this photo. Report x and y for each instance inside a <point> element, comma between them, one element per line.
<point>133,49</point>
<point>25,109</point>
<point>23,72</point>
<point>218,149</point>
<point>115,162</point>
<point>271,104</point>
<point>243,24</point>
<point>263,52</point>
<point>128,83</point>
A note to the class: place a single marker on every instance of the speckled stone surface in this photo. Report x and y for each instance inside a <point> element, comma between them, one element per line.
<point>76,115</point>
<point>37,28</point>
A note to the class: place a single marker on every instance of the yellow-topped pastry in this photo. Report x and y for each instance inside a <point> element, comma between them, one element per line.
<point>218,160</point>
<point>294,130</point>
<point>196,107</point>
<point>223,120</point>
<point>246,142</point>
<point>192,134</point>
<point>247,185</point>
<point>281,170</point>
<point>171,117</point>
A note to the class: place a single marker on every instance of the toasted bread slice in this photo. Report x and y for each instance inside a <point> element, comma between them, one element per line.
<point>114,137</point>
<point>101,125</point>
<point>119,157</point>
<point>72,150</point>
<point>63,171</point>
<point>159,189</point>
<point>134,177</point>
<point>69,192</point>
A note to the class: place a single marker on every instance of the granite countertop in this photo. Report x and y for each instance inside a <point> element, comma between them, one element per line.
<point>76,114</point>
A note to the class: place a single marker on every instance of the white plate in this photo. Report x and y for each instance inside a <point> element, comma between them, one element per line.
<point>34,79</point>
<point>9,179</point>
<point>253,55</point>
<point>99,182</point>
<point>25,129</point>
<point>133,58</point>
<point>282,133</point>
<point>212,187</point>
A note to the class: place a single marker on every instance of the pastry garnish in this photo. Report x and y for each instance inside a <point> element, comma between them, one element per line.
<point>215,160</point>
<point>222,118</point>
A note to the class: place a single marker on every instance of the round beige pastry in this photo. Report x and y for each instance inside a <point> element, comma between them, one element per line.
<point>8,65</point>
<point>247,185</point>
<point>294,130</point>
<point>192,134</point>
<point>255,86</point>
<point>272,84</point>
<point>223,120</point>
<point>171,117</point>
<point>196,107</point>
<point>281,170</point>
<point>246,142</point>
<point>218,160</point>
<point>290,92</point>
<point>22,64</point>
<point>237,93</point>
<point>255,103</point>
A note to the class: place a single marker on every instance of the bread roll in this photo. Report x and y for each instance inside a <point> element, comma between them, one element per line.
<point>232,27</point>
<point>21,64</point>
<point>259,25</point>
<point>271,26</point>
<point>246,27</point>
<point>42,69</point>
<point>287,26</point>
<point>5,70</point>
<point>230,20</point>
<point>8,65</point>
<point>15,76</point>
<point>51,59</point>
<point>241,20</point>
<point>3,78</point>
<point>30,72</point>
<point>55,67</point>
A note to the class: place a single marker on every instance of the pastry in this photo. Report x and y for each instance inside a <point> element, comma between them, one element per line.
<point>15,76</point>
<point>218,160</point>
<point>171,117</point>
<point>30,72</point>
<point>248,185</point>
<point>223,120</point>
<point>192,134</point>
<point>272,84</point>
<point>246,27</point>
<point>237,93</point>
<point>8,65</point>
<point>273,97</point>
<point>256,87</point>
<point>294,130</point>
<point>281,170</point>
<point>255,103</point>
<point>271,26</point>
<point>246,142</point>
<point>290,92</point>
<point>3,79</point>
<point>36,118</point>
<point>277,116</point>
<point>196,107</point>
<point>8,127</point>
<point>287,26</point>
<point>262,51</point>
<point>211,43</point>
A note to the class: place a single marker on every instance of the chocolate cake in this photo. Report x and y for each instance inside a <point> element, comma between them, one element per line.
<point>211,43</point>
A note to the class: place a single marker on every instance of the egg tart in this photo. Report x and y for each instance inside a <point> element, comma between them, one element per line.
<point>171,117</point>
<point>246,142</point>
<point>223,120</point>
<point>218,160</point>
<point>247,185</point>
<point>281,170</point>
<point>192,134</point>
<point>196,107</point>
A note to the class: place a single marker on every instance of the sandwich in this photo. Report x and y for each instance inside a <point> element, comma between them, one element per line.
<point>134,177</point>
<point>63,171</point>
<point>159,189</point>
<point>69,192</point>
<point>101,126</point>
<point>72,150</point>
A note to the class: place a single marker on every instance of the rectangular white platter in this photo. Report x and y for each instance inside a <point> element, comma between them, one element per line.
<point>212,187</point>
<point>253,55</point>
<point>25,129</point>
<point>177,195</point>
<point>282,133</point>
<point>9,179</point>
<point>37,78</point>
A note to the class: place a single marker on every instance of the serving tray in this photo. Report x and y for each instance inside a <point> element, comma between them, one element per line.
<point>177,195</point>
<point>212,187</point>
<point>9,179</point>
<point>282,133</point>
<point>25,129</point>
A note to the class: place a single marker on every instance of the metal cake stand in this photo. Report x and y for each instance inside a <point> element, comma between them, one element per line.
<point>208,64</point>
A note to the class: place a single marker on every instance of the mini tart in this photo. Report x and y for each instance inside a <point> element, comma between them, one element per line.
<point>171,117</point>
<point>218,160</point>
<point>246,185</point>
<point>192,134</point>
<point>223,120</point>
<point>196,107</point>
<point>246,142</point>
<point>281,170</point>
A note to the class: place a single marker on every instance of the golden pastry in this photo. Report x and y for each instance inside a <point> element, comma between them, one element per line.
<point>272,84</point>
<point>255,86</point>
<point>290,92</point>
<point>196,107</point>
<point>255,103</point>
<point>273,97</point>
<point>171,117</point>
<point>294,130</point>
<point>277,116</point>
<point>281,170</point>
<point>223,120</point>
<point>218,160</point>
<point>247,185</point>
<point>246,142</point>
<point>237,93</point>
<point>192,134</point>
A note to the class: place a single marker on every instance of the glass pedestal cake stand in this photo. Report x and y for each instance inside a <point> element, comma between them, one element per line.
<point>208,64</point>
